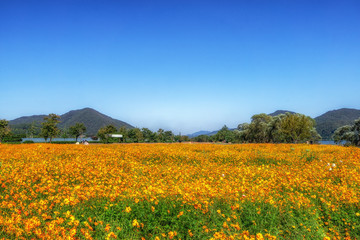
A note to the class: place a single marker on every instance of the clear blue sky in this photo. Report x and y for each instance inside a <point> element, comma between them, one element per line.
<point>179,65</point>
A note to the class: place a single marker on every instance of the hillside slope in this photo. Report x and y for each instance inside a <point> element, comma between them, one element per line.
<point>92,119</point>
<point>327,123</point>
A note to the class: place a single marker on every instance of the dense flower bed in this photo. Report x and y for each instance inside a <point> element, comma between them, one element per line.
<point>179,191</point>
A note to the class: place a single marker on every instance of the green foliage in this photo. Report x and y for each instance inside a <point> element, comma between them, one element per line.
<point>148,135</point>
<point>104,132</point>
<point>181,138</point>
<point>258,128</point>
<point>296,127</point>
<point>28,141</point>
<point>10,138</point>
<point>4,129</point>
<point>169,136</point>
<point>63,142</point>
<point>77,130</point>
<point>160,137</point>
<point>49,127</point>
<point>167,216</point>
<point>136,135</point>
<point>224,135</point>
<point>283,128</point>
<point>327,123</point>
<point>202,138</point>
<point>124,132</point>
<point>348,133</point>
<point>64,133</point>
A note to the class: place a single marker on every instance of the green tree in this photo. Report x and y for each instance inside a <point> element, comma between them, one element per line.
<point>242,133</point>
<point>148,135</point>
<point>33,129</point>
<point>64,133</point>
<point>258,128</point>
<point>168,136</point>
<point>348,133</point>
<point>181,138</point>
<point>124,132</point>
<point>4,129</point>
<point>136,135</point>
<point>77,130</point>
<point>281,128</point>
<point>297,127</point>
<point>160,135</point>
<point>49,127</point>
<point>104,132</point>
<point>274,129</point>
<point>224,135</point>
<point>201,138</point>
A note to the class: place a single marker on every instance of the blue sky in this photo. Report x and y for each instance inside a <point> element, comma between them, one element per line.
<point>179,65</point>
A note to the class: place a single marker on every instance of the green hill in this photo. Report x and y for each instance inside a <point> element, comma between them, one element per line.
<point>278,112</point>
<point>328,122</point>
<point>92,119</point>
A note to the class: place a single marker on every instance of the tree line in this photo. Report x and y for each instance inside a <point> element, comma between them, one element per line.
<point>263,128</point>
<point>49,129</point>
<point>138,135</point>
<point>348,133</point>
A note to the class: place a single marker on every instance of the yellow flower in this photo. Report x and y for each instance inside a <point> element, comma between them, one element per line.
<point>128,209</point>
<point>135,223</point>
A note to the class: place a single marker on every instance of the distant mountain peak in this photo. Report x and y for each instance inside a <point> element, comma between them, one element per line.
<point>195,134</point>
<point>92,119</point>
<point>327,123</point>
<point>278,112</point>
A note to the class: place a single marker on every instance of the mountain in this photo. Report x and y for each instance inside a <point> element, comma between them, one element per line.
<point>278,112</point>
<point>327,123</point>
<point>195,134</point>
<point>208,133</point>
<point>27,120</point>
<point>92,119</point>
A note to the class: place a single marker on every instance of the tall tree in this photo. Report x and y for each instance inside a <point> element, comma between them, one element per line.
<point>258,128</point>
<point>282,128</point>
<point>77,130</point>
<point>349,133</point>
<point>224,135</point>
<point>49,127</point>
<point>4,129</point>
<point>160,135</point>
<point>33,129</point>
<point>136,135</point>
<point>64,133</point>
<point>104,132</point>
<point>274,129</point>
<point>148,135</point>
<point>124,132</point>
<point>297,127</point>
<point>168,136</point>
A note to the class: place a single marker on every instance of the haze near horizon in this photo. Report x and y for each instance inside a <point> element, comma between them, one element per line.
<point>183,66</point>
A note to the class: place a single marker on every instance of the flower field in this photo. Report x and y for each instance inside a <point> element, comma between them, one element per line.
<point>179,191</point>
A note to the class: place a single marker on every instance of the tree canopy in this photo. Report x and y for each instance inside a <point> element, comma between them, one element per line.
<point>104,132</point>
<point>348,133</point>
<point>49,127</point>
<point>283,128</point>
<point>4,129</point>
<point>77,130</point>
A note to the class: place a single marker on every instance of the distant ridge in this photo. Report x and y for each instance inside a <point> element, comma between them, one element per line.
<point>327,123</point>
<point>278,112</point>
<point>92,119</point>
<point>195,134</point>
<point>27,119</point>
